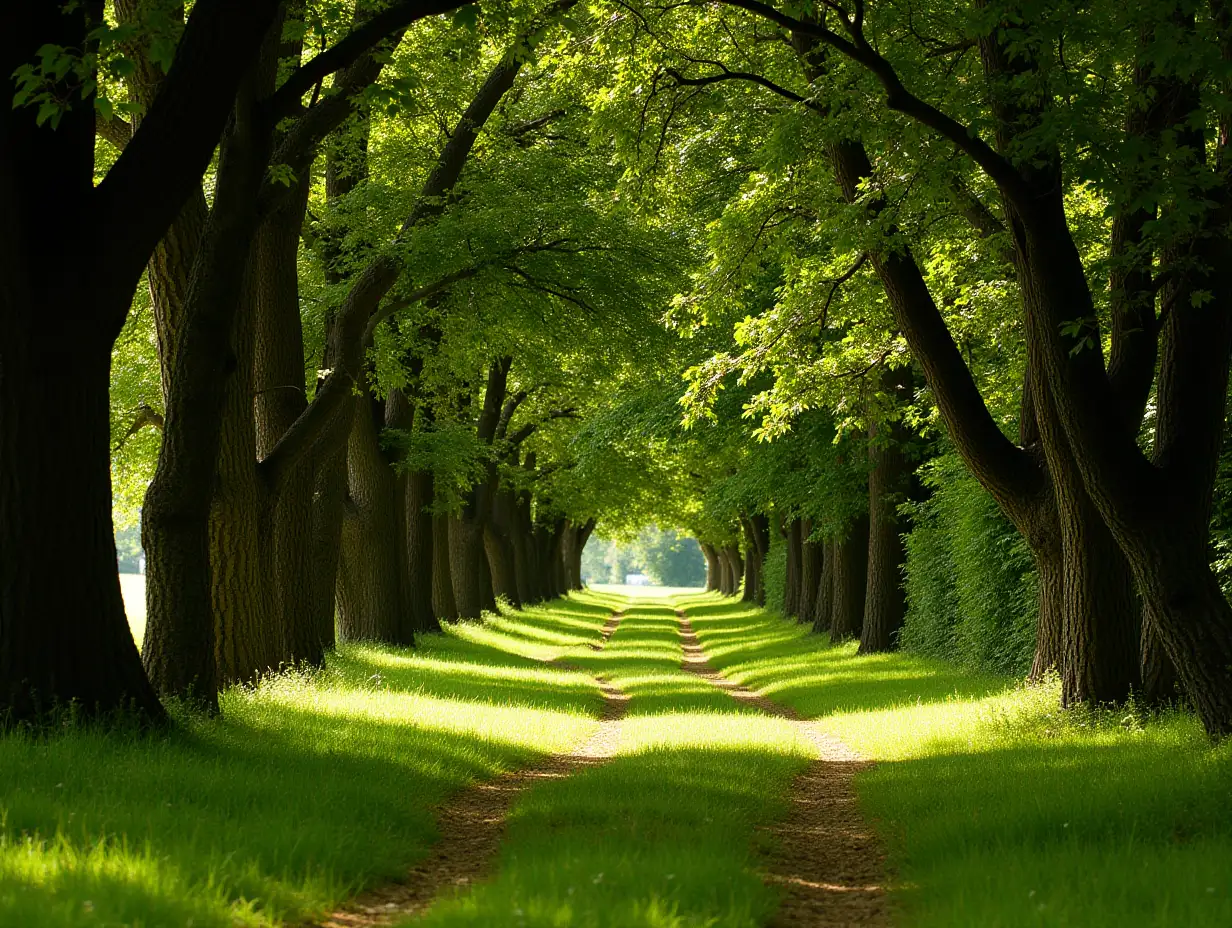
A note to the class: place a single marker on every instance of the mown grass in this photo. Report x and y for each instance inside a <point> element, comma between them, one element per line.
<point>307,788</point>
<point>997,808</point>
<point>662,835</point>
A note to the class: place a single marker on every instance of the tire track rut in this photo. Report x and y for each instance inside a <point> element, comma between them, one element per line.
<point>826,859</point>
<point>472,822</point>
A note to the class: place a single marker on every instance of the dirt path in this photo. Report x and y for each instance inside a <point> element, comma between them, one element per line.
<point>827,860</point>
<point>472,823</point>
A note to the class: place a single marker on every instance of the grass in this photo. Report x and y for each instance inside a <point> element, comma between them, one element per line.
<point>664,834</point>
<point>307,788</point>
<point>997,808</point>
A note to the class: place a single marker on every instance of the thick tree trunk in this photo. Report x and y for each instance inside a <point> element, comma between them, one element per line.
<point>850,574</point>
<point>1049,635</point>
<point>735,564</point>
<point>443,603</point>
<point>810,573</point>
<point>468,564</point>
<point>823,604</point>
<point>189,493</point>
<point>420,490</point>
<point>791,589</point>
<point>885,602</point>
<point>498,547</point>
<point>371,581</point>
<point>280,400</point>
<point>63,632</point>
<point>713,568</point>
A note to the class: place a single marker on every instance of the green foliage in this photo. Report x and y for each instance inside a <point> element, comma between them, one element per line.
<point>774,573</point>
<point>971,587</point>
<point>671,559</point>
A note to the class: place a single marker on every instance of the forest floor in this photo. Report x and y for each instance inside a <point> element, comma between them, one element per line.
<point>688,761</point>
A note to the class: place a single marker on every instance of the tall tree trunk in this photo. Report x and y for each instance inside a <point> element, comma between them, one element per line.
<point>885,602</point>
<point>280,400</point>
<point>420,490</point>
<point>850,574</point>
<point>810,572</point>
<point>443,602</point>
<point>791,587</point>
<point>736,568</point>
<point>823,604</point>
<point>371,581</point>
<point>713,568</point>
<point>180,515</point>
<point>468,564</point>
<point>63,632</point>
<point>498,547</point>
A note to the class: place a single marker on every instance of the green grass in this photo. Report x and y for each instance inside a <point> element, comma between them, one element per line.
<point>997,808</point>
<point>307,787</point>
<point>665,833</point>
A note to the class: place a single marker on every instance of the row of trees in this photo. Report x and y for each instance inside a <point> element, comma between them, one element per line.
<point>367,324</point>
<point>406,272</point>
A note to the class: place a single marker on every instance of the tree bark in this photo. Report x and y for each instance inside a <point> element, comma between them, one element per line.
<point>885,602</point>
<point>443,602</point>
<point>823,608</point>
<point>850,575</point>
<point>810,573</point>
<point>420,490</point>
<point>714,580</point>
<point>791,587</point>
<point>371,581</point>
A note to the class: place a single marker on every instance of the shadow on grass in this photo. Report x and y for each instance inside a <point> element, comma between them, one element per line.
<point>305,789</point>
<point>665,833</point>
<point>999,808</point>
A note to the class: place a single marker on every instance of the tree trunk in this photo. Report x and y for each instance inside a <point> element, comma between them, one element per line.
<point>280,399</point>
<point>468,564</point>
<point>885,602</point>
<point>713,568</point>
<point>498,547</point>
<point>443,602</point>
<point>810,573</point>
<point>63,632</point>
<point>850,575</point>
<point>1049,635</point>
<point>1160,684</point>
<point>180,518</point>
<point>371,582</point>
<point>791,589</point>
<point>420,490</point>
<point>823,604</point>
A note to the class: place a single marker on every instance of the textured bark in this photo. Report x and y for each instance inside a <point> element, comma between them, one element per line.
<point>468,564</point>
<point>810,573</point>
<point>823,608</point>
<point>1049,637</point>
<point>713,568</point>
<point>371,581</point>
<point>791,591</point>
<point>850,574</point>
<point>420,491</point>
<point>498,547</point>
<point>192,490</point>
<point>443,603</point>
<point>278,373</point>
<point>885,602</point>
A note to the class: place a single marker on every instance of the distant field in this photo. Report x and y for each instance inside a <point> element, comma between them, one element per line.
<point>622,589</point>
<point>133,588</point>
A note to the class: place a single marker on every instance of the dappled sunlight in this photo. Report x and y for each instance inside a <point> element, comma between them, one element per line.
<point>309,785</point>
<point>978,774</point>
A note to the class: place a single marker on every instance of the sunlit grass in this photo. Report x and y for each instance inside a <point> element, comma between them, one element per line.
<point>665,834</point>
<point>997,807</point>
<point>307,788</point>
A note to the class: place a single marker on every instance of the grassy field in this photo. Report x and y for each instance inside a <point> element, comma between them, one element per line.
<point>307,787</point>
<point>662,836</point>
<point>999,809</point>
